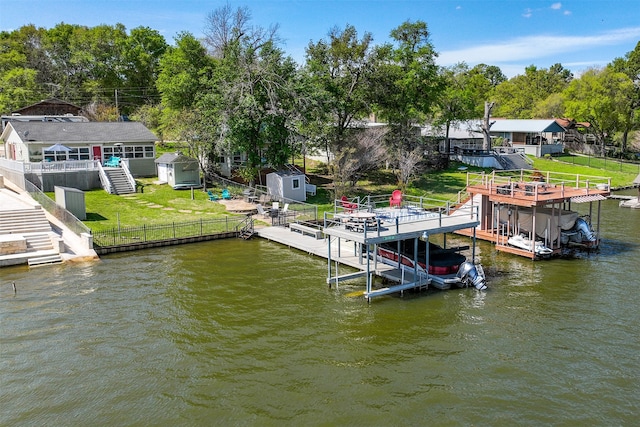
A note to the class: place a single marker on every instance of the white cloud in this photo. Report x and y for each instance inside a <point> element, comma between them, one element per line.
<point>534,47</point>
<point>556,6</point>
<point>527,13</point>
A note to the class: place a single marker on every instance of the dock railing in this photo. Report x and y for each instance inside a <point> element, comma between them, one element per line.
<point>498,179</point>
<point>413,209</point>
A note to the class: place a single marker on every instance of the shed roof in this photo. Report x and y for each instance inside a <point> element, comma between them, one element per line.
<point>172,158</point>
<point>82,132</point>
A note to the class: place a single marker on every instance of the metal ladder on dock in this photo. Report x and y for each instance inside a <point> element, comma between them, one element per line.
<point>246,232</point>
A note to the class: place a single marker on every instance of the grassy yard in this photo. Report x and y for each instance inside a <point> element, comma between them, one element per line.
<point>160,204</point>
<point>619,178</point>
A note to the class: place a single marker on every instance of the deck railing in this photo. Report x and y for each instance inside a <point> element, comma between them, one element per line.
<point>497,178</point>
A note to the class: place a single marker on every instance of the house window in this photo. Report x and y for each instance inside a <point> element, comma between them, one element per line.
<point>295,182</point>
<point>130,152</point>
<point>81,153</point>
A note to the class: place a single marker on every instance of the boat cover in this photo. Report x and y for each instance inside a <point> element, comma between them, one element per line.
<point>547,222</point>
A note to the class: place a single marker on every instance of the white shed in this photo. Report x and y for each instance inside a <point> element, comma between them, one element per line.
<point>287,184</point>
<point>178,171</point>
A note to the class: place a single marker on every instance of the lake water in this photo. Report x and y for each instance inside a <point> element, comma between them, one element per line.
<point>247,333</point>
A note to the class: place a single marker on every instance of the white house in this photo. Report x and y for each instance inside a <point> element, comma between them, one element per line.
<point>28,142</point>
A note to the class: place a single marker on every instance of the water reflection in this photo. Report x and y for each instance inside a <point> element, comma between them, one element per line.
<point>248,332</point>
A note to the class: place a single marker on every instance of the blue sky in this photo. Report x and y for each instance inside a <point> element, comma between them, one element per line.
<point>511,34</point>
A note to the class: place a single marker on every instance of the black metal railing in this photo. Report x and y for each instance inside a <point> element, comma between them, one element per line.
<point>119,236</point>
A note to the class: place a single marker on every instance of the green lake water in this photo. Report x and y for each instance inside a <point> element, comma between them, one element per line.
<point>248,333</point>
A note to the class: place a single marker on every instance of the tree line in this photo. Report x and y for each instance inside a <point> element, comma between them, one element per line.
<point>236,90</point>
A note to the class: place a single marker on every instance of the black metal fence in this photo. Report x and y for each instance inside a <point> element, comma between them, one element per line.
<point>118,236</point>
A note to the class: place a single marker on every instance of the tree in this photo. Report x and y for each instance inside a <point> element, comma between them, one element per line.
<point>486,126</point>
<point>602,97</point>
<point>183,72</point>
<point>630,65</point>
<point>365,153</point>
<point>456,101</point>
<point>251,96</point>
<point>339,71</point>
<point>140,65</point>
<point>225,27</point>
<point>517,97</point>
<point>406,87</point>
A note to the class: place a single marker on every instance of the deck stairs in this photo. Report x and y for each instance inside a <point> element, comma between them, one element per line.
<point>247,231</point>
<point>119,181</point>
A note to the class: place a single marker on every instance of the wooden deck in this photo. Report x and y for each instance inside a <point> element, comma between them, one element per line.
<point>528,189</point>
<point>532,194</point>
<point>346,245</point>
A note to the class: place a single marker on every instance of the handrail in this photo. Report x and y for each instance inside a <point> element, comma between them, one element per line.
<point>125,167</point>
<point>104,180</point>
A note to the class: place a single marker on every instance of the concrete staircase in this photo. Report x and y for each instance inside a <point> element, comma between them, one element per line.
<point>513,162</point>
<point>119,181</point>
<point>24,221</point>
<point>33,226</point>
<point>42,243</point>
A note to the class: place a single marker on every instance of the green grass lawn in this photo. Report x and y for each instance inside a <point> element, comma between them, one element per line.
<point>161,204</point>
<point>564,164</point>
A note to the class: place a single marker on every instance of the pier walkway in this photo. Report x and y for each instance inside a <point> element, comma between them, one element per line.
<point>351,239</point>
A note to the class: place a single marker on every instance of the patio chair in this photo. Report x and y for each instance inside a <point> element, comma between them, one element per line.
<point>113,162</point>
<point>212,197</point>
<point>262,211</point>
<point>395,199</point>
<point>226,194</point>
<point>347,205</point>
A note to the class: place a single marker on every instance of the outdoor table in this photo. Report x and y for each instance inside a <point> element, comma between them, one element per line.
<point>358,220</point>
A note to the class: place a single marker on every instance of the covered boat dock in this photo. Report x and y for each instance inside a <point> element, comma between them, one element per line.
<point>354,231</point>
<point>534,207</point>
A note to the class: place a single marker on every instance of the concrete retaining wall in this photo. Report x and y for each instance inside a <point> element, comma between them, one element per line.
<point>102,250</point>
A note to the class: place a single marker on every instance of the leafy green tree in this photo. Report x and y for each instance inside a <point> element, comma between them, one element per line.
<point>251,100</point>
<point>406,88</point>
<point>456,101</point>
<point>630,65</point>
<point>18,86</point>
<point>184,70</point>
<point>481,82</point>
<point>338,71</point>
<point>517,97</point>
<point>602,97</point>
<point>139,66</point>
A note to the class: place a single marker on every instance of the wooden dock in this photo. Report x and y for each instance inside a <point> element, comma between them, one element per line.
<point>530,191</point>
<point>343,244</point>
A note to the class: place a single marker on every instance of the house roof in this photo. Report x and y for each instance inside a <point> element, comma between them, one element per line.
<point>81,132</point>
<point>62,107</point>
<point>525,125</point>
<point>458,130</point>
<point>172,158</point>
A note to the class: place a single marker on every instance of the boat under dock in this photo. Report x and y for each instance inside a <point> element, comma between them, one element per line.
<point>349,241</point>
